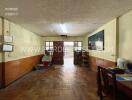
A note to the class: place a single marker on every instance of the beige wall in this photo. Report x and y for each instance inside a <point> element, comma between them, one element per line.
<point>85,42</point>
<point>25,43</point>
<point>125,36</point>
<point>59,38</point>
<point>0,39</point>
<point>70,39</point>
<point>110,41</point>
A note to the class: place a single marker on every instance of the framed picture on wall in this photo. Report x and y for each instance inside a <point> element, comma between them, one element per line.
<point>8,39</point>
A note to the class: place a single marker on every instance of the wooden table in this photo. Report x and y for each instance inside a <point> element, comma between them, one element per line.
<point>125,86</point>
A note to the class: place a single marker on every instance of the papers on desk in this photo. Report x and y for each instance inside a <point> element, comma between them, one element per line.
<point>119,78</point>
<point>127,77</point>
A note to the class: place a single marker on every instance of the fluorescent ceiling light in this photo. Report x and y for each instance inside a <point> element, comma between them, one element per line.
<point>63,27</point>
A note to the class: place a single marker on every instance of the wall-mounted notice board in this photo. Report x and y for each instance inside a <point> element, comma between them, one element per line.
<point>7,48</point>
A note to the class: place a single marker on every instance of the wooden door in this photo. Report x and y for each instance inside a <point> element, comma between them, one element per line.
<point>58,54</point>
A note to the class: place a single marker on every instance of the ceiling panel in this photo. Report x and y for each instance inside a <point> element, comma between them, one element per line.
<point>46,17</point>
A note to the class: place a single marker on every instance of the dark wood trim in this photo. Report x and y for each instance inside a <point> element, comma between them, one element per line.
<point>1,74</point>
<point>125,87</point>
<point>95,61</point>
<point>2,71</point>
<point>13,70</point>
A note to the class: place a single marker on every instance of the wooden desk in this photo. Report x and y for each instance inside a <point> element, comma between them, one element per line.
<point>125,86</point>
<point>123,82</point>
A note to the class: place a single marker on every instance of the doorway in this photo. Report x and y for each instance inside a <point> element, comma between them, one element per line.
<point>68,53</point>
<point>64,52</point>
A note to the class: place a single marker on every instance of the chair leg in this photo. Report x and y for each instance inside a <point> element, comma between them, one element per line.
<point>101,97</point>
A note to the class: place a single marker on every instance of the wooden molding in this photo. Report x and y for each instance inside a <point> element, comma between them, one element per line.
<point>95,61</point>
<point>12,70</point>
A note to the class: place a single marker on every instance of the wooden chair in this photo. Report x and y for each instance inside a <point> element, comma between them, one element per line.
<point>106,81</point>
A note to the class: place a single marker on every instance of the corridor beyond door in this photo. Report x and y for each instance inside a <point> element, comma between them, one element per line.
<point>68,53</point>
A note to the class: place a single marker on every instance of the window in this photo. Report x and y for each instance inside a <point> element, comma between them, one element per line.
<point>77,45</point>
<point>49,46</point>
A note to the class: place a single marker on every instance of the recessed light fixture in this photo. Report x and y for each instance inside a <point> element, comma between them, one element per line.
<point>63,27</point>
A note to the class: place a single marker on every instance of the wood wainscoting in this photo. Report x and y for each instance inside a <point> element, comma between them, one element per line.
<point>95,61</point>
<point>17,68</point>
<point>1,74</point>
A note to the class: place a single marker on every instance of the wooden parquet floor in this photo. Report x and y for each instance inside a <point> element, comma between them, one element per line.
<point>55,83</point>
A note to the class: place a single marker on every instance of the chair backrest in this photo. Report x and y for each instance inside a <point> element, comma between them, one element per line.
<point>107,81</point>
<point>99,81</point>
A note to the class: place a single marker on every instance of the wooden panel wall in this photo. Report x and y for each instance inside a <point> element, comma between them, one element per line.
<point>94,62</point>
<point>17,68</point>
<point>0,74</point>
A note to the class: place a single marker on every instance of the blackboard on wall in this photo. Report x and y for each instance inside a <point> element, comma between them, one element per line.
<point>96,41</point>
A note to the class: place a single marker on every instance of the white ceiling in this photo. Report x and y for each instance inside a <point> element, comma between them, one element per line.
<point>47,17</point>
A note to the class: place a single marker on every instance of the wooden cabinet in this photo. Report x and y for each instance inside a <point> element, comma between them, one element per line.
<point>81,58</point>
<point>85,59</point>
<point>77,57</point>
